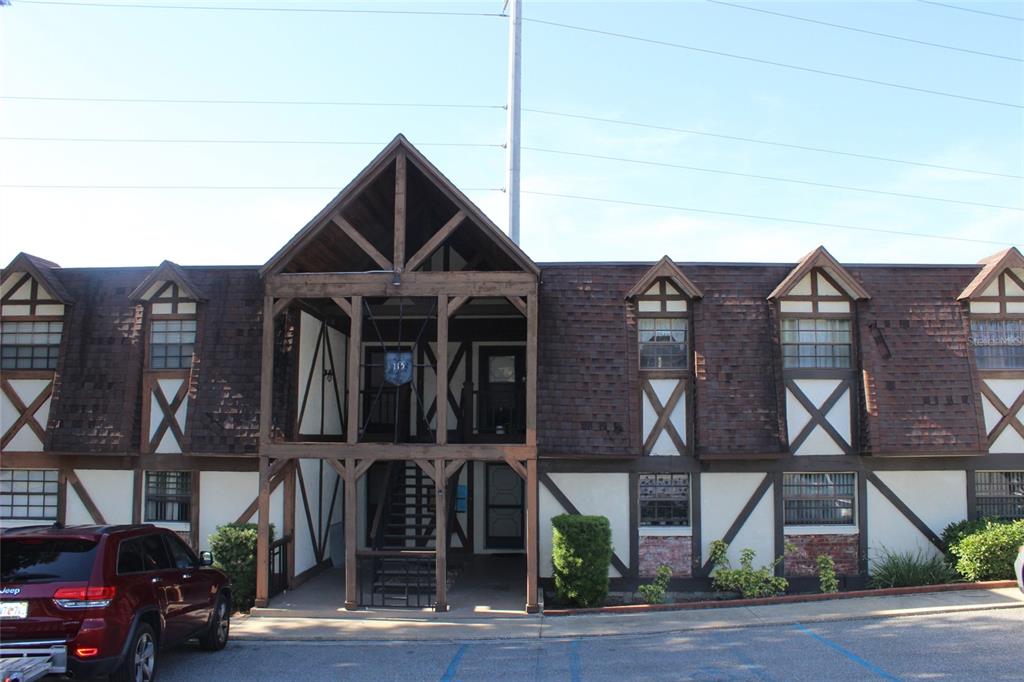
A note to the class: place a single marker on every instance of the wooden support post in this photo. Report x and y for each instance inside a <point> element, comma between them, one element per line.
<point>532,539</point>
<point>400,195</point>
<point>441,413</point>
<point>267,371</point>
<point>289,519</point>
<point>351,539</point>
<point>441,537</point>
<point>355,343</point>
<point>263,534</point>
<point>531,369</point>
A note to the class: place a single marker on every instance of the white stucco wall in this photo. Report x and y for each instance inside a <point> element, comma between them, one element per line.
<point>308,335</point>
<point>723,496</point>
<point>937,497</point>
<point>593,494</point>
<point>223,496</point>
<point>111,492</point>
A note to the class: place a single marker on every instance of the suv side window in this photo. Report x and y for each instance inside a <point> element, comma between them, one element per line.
<point>129,556</point>
<point>154,554</point>
<point>182,555</point>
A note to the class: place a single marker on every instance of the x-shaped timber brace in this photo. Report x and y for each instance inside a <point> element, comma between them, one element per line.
<point>26,413</point>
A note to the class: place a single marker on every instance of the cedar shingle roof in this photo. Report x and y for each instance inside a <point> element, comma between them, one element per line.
<point>920,377</point>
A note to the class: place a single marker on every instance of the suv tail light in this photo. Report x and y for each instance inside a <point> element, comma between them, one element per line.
<point>83,597</point>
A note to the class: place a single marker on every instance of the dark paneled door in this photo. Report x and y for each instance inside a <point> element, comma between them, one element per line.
<point>504,507</point>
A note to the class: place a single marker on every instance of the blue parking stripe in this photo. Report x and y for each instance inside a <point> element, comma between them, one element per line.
<point>846,652</point>
<point>574,661</point>
<point>453,667</point>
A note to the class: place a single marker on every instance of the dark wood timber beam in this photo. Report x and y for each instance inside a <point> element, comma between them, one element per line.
<point>907,512</point>
<point>520,305</point>
<point>456,303</point>
<point>351,537</point>
<point>532,537</point>
<point>281,305</point>
<point>401,451</point>
<point>86,499</point>
<point>441,417</point>
<point>266,370</point>
<point>362,242</point>
<point>355,342</point>
<point>428,249</point>
<point>532,321</point>
<point>441,535</point>
<point>401,192</point>
<point>461,283</point>
<point>343,303</point>
<point>263,535</point>
<point>741,519</point>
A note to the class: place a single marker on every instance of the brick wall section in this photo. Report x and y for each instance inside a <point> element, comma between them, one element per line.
<point>804,560</point>
<point>677,552</point>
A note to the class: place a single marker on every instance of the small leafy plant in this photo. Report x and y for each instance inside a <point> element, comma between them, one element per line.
<point>827,580</point>
<point>907,569</point>
<point>654,592</point>
<point>750,582</point>
<point>958,530</point>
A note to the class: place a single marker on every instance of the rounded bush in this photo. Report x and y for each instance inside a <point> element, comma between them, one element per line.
<point>989,554</point>
<point>234,552</point>
<point>580,555</point>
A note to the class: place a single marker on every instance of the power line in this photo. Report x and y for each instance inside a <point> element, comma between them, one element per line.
<point>773,143</point>
<point>771,178</point>
<point>227,8</point>
<point>143,140</point>
<point>769,62</point>
<point>970,9</point>
<point>285,102</point>
<point>796,221</point>
<point>333,188</point>
<point>865,31</point>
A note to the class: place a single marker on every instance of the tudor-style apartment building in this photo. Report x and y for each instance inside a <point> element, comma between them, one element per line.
<point>400,387</point>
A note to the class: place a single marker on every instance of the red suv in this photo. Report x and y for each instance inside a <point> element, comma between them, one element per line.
<point>101,600</point>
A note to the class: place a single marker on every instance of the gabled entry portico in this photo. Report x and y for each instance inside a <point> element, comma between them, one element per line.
<point>417,288</point>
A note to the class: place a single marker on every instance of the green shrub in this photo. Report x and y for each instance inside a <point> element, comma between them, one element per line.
<point>988,554</point>
<point>907,569</point>
<point>654,592</point>
<point>234,552</point>
<point>827,580</point>
<point>580,555</point>
<point>958,530</point>
<point>750,582</point>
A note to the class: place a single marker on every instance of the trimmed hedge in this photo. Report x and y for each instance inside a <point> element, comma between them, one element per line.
<point>234,552</point>
<point>958,530</point>
<point>581,553</point>
<point>989,554</point>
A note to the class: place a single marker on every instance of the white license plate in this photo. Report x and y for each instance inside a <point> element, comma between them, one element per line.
<point>13,609</point>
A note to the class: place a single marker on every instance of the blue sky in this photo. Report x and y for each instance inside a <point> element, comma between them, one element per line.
<point>53,50</point>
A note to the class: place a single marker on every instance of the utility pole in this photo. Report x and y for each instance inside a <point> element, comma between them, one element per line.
<point>515,39</point>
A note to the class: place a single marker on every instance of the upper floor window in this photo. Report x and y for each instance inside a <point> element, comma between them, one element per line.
<point>663,327</point>
<point>998,344</point>
<point>817,343</point>
<point>171,344</point>
<point>172,335</point>
<point>30,345</point>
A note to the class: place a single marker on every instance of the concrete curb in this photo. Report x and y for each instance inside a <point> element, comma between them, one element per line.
<point>785,599</point>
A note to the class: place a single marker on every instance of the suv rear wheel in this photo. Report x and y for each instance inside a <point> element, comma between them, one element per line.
<point>139,664</point>
<point>216,637</point>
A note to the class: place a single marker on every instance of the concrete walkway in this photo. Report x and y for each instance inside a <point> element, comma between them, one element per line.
<point>406,626</point>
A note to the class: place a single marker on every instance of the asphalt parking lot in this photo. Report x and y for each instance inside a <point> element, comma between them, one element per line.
<point>974,645</point>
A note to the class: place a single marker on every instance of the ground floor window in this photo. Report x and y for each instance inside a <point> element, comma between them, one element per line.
<point>819,499</point>
<point>31,494</point>
<point>664,499</point>
<point>999,494</point>
<point>168,496</point>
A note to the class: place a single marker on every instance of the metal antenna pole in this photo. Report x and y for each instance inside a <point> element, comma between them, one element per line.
<point>515,37</point>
